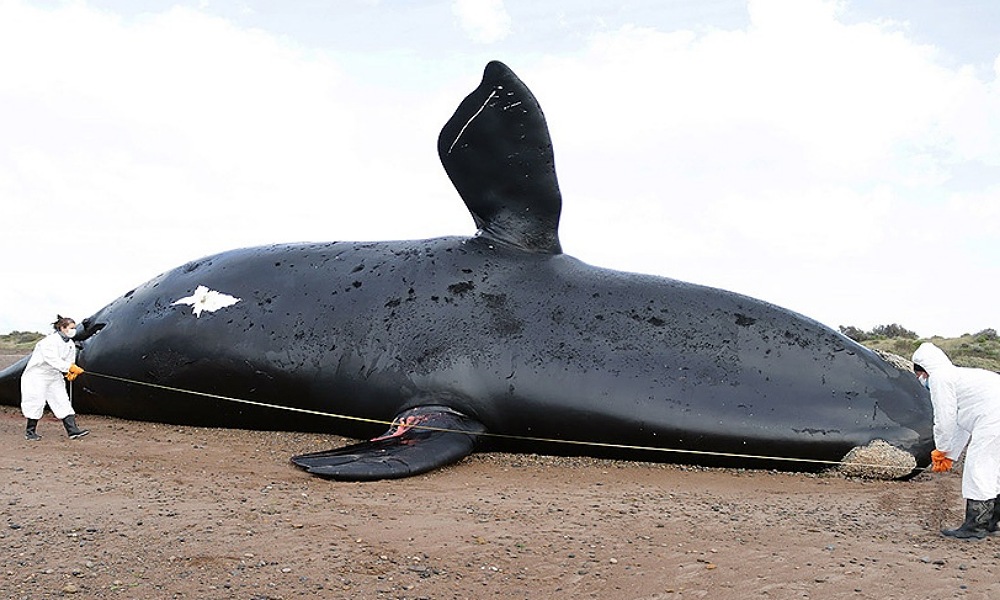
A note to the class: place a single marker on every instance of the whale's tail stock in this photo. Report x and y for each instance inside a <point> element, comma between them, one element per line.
<point>10,383</point>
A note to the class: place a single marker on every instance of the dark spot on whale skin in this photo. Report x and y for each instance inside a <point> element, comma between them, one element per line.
<point>461,288</point>
<point>811,431</point>
<point>502,322</point>
<point>193,266</point>
<point>494,300</point>
<point>744,321</point>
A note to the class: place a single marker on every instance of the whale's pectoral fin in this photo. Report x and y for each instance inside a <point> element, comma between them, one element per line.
<point>497,151</point>
<point>421,439</point>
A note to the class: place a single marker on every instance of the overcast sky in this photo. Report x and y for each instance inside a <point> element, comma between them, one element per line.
<point>840,159</point>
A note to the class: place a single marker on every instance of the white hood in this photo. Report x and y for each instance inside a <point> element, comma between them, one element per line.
<point>931,358</point>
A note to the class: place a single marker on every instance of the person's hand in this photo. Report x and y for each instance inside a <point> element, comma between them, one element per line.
<point>940,462</point>
<point>74,372</point>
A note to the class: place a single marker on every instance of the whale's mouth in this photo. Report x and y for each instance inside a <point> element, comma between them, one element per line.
<point>877,460</point>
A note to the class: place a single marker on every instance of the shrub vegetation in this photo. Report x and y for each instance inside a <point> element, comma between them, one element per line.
<point>980,349</point>
<point>19,342</point>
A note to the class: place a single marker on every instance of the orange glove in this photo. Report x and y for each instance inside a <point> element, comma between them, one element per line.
<point>939,462</point>
<point>74,371</point>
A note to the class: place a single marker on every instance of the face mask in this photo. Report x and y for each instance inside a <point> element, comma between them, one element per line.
<point>925,381</point>
<point>69,333</point>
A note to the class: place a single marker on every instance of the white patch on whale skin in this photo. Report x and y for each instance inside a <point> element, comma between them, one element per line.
<point>205,299</point>
<point>464,127</point>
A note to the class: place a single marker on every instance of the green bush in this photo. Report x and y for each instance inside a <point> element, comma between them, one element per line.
<point>977,351</point>
<point>854,333</point>
<point>986,335</point>
<point>894,330</point>
<point>19,342</point>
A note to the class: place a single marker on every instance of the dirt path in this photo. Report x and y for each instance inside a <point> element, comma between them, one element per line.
<point>143,510</point>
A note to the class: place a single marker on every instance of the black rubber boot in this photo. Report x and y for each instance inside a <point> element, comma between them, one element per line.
<point>29,431</point>
<point>994,524</point>
<point>75,432</point>
<point>977,520</point>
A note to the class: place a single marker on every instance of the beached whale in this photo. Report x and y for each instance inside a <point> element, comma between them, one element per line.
<point>497,340</point>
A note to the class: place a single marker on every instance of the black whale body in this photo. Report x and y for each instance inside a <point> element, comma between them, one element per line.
<point>496,334</point>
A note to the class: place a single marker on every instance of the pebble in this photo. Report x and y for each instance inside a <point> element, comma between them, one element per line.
<point>877,460</point>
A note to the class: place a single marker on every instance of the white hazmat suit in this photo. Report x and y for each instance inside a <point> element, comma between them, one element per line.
<point>966,411</point>
<point>43,378</point>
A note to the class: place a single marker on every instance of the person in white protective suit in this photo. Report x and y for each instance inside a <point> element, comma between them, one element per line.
<point>42,381</point>
<point>966,412</point>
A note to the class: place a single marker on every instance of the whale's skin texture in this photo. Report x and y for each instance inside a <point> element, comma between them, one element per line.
<point>527,344</point>
<point>499,336</point>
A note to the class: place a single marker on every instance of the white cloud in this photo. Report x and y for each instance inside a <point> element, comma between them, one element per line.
<point>826,224</point>
<point>836,95</point>
<point>133,146</point>
<point>799,159</point>
<point>484,21</point>
<point>821,149</point>
<point>215,100</point>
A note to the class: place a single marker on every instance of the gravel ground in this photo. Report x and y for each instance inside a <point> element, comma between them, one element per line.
<point>145,510</point>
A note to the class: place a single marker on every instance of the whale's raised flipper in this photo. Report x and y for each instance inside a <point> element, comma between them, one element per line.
<point>498,154</point>
<point>421,439</point>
